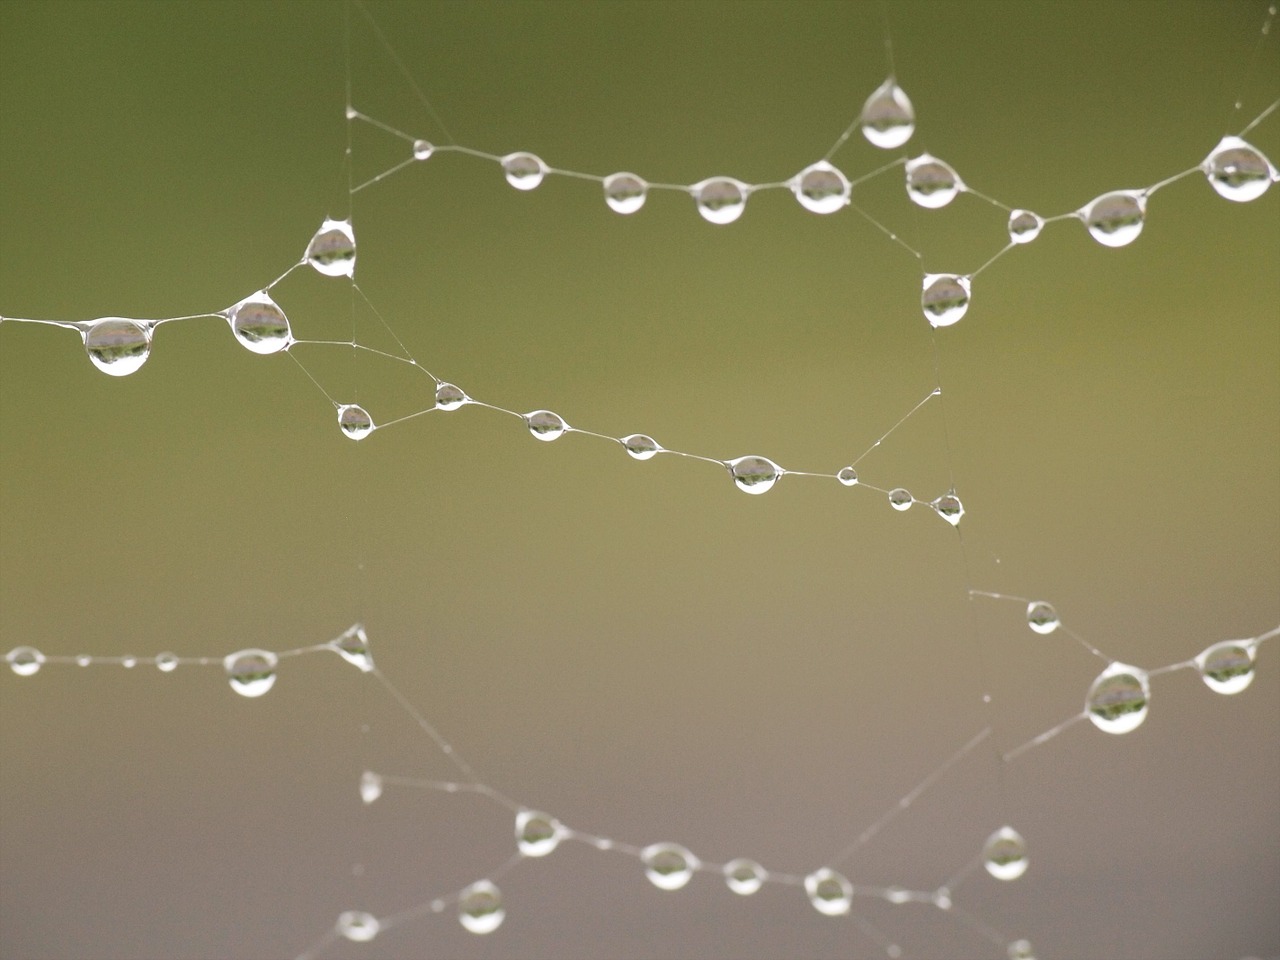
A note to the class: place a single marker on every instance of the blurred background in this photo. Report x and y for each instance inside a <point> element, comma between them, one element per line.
<point>636,648</point>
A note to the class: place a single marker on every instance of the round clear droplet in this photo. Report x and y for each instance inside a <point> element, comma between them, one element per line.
<point>332,251</point>
<point>641,447</point>
<point>900,499</point>
<point>945,298</point>
<point>744,877</point>
<point>251,672</point>
<point>1024,226</point>
<point>545,425</point>
<point>166,662</point>
<point>116,345</point>
<point>357,926</point>
<point>848,476</point>
<point>524,171</point>
<point>949,508</point>
<point>423,149</point>
<point>1115,219</point>
<point>259,324</point>
<point>1005,854</point>
<point>1238,170</point>
<point>821,188</point>
<point>668,866</point>
<point>480,907</point>
<point>931,182</point>
<point>25,661</point>
<point>720,199</point>
<point>354,421</point>
<point>1042,618</point>
<point>1118,699</point>
<point>1021,950</point>
<point>754,474</point>
<point>625,192</point>
<point>1227,667</point>
<point>829,892</point>
<point>353,647</point>
<point>888,119</point>
<point>370,786</point>
<point>537,834</point>
<point>449,397</point>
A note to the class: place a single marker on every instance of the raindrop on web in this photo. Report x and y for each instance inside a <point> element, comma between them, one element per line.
<point>625,192</point>
<point>524,171</point>
<point>449,397</point>
<point>1226,667</point>
<point>354,421</point>
<point>357,926</point>
<point>1024,226</point>
<point>332,250</point>
<point>1041,617</point>
<point>118,346</point>
<point>720,199</point>
<point>545,425</point>
<point>251,672</point>
<point>259,324</point>
<point>949,508</point>
<point>537,834</point>
<point>353,647</point>
<point>1115,219</point>
<point>821,188</point>
<point>754,474</point>
<point>641,447</point>
<point>888,119</point>
<point>945,298</point>
<point>1005,854</point>
<point>423,149</point>
<point>25,661</point>
<point>931,182</point>
<point>829,892</point>
<point>1238,171</point>
<point>480,907</point>
<point>744,877</point>
<point>900,499</point>
<point>848,476</point>
<point>166,662</point>
<point>1118,699</point>
<point>668,865</point>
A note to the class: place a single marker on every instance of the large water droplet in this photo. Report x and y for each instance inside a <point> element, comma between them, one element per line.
<point>1118,699</point>
<point>25,661</point>
<point>423,149</point>
<point>251,672</point>
<point>545,425</point>
<point>357,926</point>
<point>259,324</point>
<point>848,476</point>
<point>524,171</point>
<point>449,397</point>
<point>754,474</point>
<point>353,647</point>
<point>931,182</point>
<point>370,786</point>
<point>900,499</point>
<point>118,346</point>
<point>949,508</point>
<point>332,250</point>
<point>640,446</point>
<point>354,421</point>
<point>1024,226</point>
<point>888,119</point>
<point>1115,219</point>
<point>537,834</point>
<point>829,892</point>
<point>625,192</point>
<point>166,662</point>
<point>1041,617</point>
<point>743,876</point>
<point>720,199</point>
<point>1021,950</point>
<point>1238,170</point>
<point>821,188</point>
<point>480,907</point>
<point>945,298</point>
<point>668,865</point>
<point>1227,667</point>
<point>1005,854</point>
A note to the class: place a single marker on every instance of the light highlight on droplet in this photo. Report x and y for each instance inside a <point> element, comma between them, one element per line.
<point>1227,667</point>
<point>537,834</point>
<point>545,425</point>
<point>931,182</point>
<point>668,865</point>
<point>821,188</point>
<point>1005,854</point>
<point>1238,171</point>
<point>829,892</point>
<point>480,907</point>
<point>1115,219</point>
<point>944,298</point>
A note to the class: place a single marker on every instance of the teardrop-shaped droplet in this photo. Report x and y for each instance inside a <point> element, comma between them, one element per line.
<point>370,786</point>
<point>166,662</point>
<point>1005,854</point>
<point>1024,226</point>
<point>744,877</point>
<point>353,647</point>
<point>537,834</point>
<point>480,907</point>
<point>251,672</point>
<point>829,892</point>
<point>1238,170</point>
<point>668,866</point>
<point>116,345</point>
<point>625,192</point>
<point>423,149</point>
<point>25,661</point>
<point>821,188</point>
<point>449,397</point>
<point>332,250</point>
<point>720,199</point>
<point>1227,667</point>
<point>931,182</point>
<point>545,425</point>
<point>357,926</point>
<point>945,298</point>
<point>641,447</point>
<point>888,119</point>
<point>524,171</point>
<point>1042,618</point>
<point>949,508</point>
<point>1115,219</point>
<point>1021,950</point>
<point>259,324</point>
<point>754,474</point>
<point>354,421</point>
<point>1118,699</point>
<point>900,499</point>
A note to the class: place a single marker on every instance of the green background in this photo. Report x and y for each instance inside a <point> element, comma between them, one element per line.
<point>636,648</point>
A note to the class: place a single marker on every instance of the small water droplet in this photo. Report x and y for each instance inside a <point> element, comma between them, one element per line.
<point>354,421</point>
<point>449,397</point>
<point>351,112</point>
<point>480,907</point>
<point>166,662</point>
<point>821,188</point>
<point>1238,170</point>
<point>848,476</point>
<point>357,926</point>
<point>949,508</point>
<point>1024,226</point>
<point>668,866</point>
<point>545,425</point>
<point>744,877</point>
<point>537,834</point>
<point>128,662</point>
<point>370,786</point>
<point>829,892</point>
<point>754,474</point>
<point>251,672</point>
<point>524,171</point>
<point>945,298</point>
<point>1021,950</point>
<point>259,324</point>
<point>900,499</point>
<point>423,149</point>
<point>353,647</point>
<point>25,661</point>
<point>1005,854</point>
<point>888,119</point>
<point>83,660</point>
<point>1118,699</point>
<point>641,447</point>
<point>332,251</point>
<point>118,346</point>
<point>1042,618</point>
<point>720,199</point>
<point>1227,667</point>
<point>1115,219</point>
<point>931,182</point>
<point>625,192</point>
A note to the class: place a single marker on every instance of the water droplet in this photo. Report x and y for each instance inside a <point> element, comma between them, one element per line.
<point>537,834</point>
<point>1005,854</point>
<point>848,476</point>
<point>1227,667</point>
<point>821,188</point>
<point>524,171</point>
<point>117,346</point>
<point>1021,950</point>
<point>743,876</point>
<point>897,895</point>
<point>949,508</point>
<point>449,397</point>
<point>754,474</point>
<point>1042,618</point>
<point>640,446</point>
<point>166,662</point>
<point>901,499</point>
<point>720,199</point>
<point>357,926</point>
<point>480,907</point>
<point>888,119</point>
<point>83,660</point>
<point>829,892</point>
<point>370,786</point>
<point>945,298</point>
<point>353,647</point>
<point>251,672</point>
<point>25,661</point>
<point>128,662</point>
<point>1024,226</point>
<point>1238,171</point>
<point>354,421</point>
<point>545,425</point>
<point>625,192</point>
<point>931,182</point>
<point>1115,219</point>
<point>332,250</point>
<point>423,149</point>
<point>1117,701</point>
<point>259,324</point>
<point>668,865</point>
